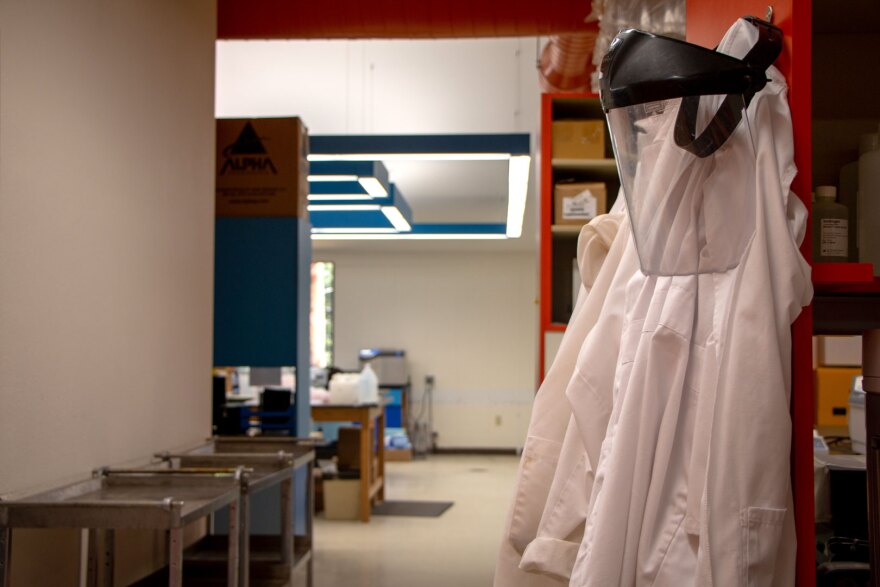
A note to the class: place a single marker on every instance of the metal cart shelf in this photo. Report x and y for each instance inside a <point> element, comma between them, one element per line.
<point>273,461</point>
<point>139,498</point>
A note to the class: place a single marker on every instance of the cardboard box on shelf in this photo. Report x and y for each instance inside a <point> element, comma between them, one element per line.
<point>262,167</point>
<point>833,385</point>
<point>839,351</point>
<point>578,203</point>
<point>342,499</point>
<point>579,139</point>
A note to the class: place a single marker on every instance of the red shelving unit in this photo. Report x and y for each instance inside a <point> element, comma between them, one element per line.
<point>559,244</point>
<point>842,274</point>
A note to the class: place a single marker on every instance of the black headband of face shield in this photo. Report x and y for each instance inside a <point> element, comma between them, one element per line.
<point>640,67</point>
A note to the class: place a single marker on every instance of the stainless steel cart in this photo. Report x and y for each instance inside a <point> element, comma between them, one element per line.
<point>273,461</point>
<point>165,499</point>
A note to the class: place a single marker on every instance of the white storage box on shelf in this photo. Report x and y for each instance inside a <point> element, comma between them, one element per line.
<point>857,427</point>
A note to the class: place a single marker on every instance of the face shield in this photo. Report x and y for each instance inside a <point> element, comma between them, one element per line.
<point>684,150</point>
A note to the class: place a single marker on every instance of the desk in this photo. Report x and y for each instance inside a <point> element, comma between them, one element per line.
<point>371,418</point>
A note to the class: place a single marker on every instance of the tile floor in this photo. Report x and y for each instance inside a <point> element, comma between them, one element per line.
<point>456,549</point>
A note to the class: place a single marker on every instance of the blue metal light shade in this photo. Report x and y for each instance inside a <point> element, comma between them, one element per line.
<point>428,147</point>
<point>390,214</point>
<point>342,180</point>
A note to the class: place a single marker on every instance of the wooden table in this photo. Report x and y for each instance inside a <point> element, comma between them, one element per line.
<point>371,418</point>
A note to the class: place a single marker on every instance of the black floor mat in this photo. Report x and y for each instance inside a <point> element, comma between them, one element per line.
<point>420,509</point>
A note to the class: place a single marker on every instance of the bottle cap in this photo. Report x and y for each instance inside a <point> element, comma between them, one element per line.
<point>826,191</point>
<point>868,142</point>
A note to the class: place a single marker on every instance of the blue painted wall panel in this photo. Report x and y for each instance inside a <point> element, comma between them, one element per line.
<point>257,261</point>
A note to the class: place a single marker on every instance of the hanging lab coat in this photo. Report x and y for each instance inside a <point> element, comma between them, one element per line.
<point>560,532</point>
<point>551,412</point>
<point>692,482</point>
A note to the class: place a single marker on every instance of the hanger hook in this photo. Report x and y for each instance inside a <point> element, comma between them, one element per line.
<point>769,16</point>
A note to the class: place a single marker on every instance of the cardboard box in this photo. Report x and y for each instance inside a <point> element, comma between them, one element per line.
<point>262,167</point>
<point>833,385</point>
<point>579,139</point>
<point>342,499</point>
<point>398,454</point>
<point>578,203</point>
<point>839,351</point>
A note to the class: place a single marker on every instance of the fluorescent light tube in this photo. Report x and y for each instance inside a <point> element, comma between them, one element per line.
<point>412,157</point>
<point>333,178</point>
<point>332,197</point>
<point>317,232</point>
<point>517,190</point>
<point>396,218</point>
<point>373,187</point>
<point>342,207</point>
<point>351,235</point>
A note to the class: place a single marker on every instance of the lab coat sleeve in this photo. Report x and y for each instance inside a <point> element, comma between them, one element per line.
<point>550,413</point>
<point>555,548</point>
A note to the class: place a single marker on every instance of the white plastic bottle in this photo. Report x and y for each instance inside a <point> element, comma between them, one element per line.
<point>830,227</point>
<point>869,207</point>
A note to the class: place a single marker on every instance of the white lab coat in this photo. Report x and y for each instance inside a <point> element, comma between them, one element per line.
<point>551,412</point>
<point>692,482</point>
<point>560,532</point>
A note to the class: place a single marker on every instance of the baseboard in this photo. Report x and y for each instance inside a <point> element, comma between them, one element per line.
<point>467,450</point>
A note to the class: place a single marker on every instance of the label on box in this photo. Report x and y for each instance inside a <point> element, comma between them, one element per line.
<point>262,168</point>
<point>579,207</point>
<point>833,237</point>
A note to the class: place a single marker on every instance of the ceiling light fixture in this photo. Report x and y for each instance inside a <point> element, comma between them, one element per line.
<point>347,180</point>
<point>342,207</point>
<point>407,236</point>
<point>517,190</point>
<point>515,148</point>
<point>396,219</point>
<point>390,213</point>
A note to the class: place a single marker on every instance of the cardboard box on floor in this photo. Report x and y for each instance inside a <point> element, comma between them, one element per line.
<point>398,454</point>
<point>342,499</point>
<point>577,203</point>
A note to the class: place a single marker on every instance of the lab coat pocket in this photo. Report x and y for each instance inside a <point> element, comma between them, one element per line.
<point>533,486</point>
<point>761,533</point>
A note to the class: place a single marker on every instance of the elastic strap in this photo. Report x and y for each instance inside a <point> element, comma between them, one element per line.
<point>729,115</point>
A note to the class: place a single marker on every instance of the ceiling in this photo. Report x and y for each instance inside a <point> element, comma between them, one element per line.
<point>401,87</point>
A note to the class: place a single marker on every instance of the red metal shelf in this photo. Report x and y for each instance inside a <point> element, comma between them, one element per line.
<point>842,274</point>
<point>556,326</point>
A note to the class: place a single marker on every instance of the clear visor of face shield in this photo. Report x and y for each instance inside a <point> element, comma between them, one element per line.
<point>687,170</point>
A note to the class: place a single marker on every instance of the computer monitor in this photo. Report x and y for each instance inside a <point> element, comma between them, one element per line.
<point>265,376</point>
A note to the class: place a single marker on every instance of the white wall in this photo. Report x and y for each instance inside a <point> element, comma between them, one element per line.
<point>106,234</point>
<point>468,319</point>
